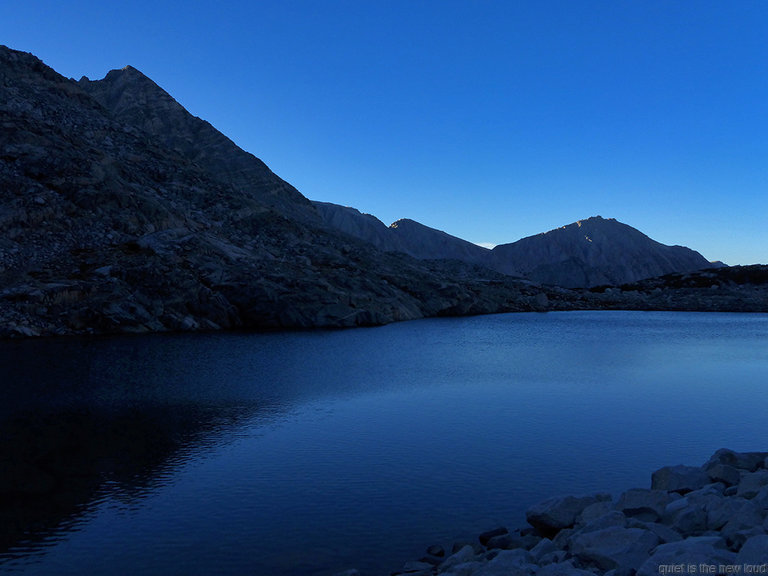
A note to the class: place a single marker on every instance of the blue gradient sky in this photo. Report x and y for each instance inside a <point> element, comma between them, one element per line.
<point>489,120</point>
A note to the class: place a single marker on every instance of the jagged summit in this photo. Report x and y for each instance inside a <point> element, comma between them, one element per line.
<point>132,98</point>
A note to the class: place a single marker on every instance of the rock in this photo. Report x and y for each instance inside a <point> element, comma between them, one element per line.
<point>562,569</point>
<point>468,569</point>
<point>702,549</point>
<point>761,498</point>
<point>721,513</point>
<point>748,519</point>
<point>486,536</point>
<point>544,548</point>
<point>737,539</point>
<point>516,539</point>
<point>719,472</point>
<point>415,568</point>
<point>749,461</point>
<point>555,514</point>
<point>436,550</point>
<point>679,478</point>
<point>509,563</point>
<point>665,533</point>
<point>466,554</point>
<point>646,505</point>
<point>690,521</point>
<point>457,546</point>
<point>614,547</point>
<point>751,483</point>
<point>595,511</point>
<point>611,519</point>
<point>754,551</point>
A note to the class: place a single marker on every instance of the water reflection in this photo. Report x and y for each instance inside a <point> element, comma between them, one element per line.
<point>83,418</point>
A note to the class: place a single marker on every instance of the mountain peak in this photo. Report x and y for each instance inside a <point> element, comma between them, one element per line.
<point>592,252</point>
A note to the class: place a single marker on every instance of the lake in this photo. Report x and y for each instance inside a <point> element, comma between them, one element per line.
<point>309,453</point>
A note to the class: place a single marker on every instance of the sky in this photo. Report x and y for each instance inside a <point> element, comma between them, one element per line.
<point>490,120</point>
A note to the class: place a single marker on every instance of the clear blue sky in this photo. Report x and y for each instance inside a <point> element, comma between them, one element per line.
<point>489,120</point>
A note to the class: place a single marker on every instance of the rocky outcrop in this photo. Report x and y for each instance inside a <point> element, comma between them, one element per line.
<point>723,289</point>
<point>592,252</point>
<point>690,517</point>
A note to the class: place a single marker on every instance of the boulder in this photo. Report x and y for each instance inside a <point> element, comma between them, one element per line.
<point>749,461</point>
<point>679,478</point>
<point>646,505</point>
<point>542,549</point>
<point>562,569</point>
<point>754,551</point>
<point>595,511</point>
<point>509,563</point>
<point>415,568</point>
<point>612,518</point>
<point>702,549</point>
<point>729,509</point>
<point>614,547</point>
<point>512,541</point>
<point>555,514</point>
<point>466,554</point>
<point>436,550</point>
<point>752,482</point>
<point>664,532</point>
<point>719,472</point>
<point>761,498</point>
<point>486,536</point>
<point>746,521</point>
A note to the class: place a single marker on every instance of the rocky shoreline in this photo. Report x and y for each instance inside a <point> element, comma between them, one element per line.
<point>711,519</point>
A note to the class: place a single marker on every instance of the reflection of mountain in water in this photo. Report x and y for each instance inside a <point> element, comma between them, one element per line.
<point>81,419</point>
<point>55,465</point>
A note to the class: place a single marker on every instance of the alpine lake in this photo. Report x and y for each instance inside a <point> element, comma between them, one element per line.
<point>308,453</point>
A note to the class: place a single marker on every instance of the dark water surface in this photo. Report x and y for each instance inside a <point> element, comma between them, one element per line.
<point>310,453</point>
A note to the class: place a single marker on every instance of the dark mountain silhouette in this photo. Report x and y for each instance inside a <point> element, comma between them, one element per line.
<point>120,211</point>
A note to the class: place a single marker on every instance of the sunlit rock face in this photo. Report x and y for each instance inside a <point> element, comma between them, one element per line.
<point>594,252</point>
<point>120,211</point>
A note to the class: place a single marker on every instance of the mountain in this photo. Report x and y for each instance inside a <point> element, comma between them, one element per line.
<point>405,235</point>
<point>592,252</point>
<point>586,253</point>
<point>365,227</point>
<point>134,100</point>
<point>120,211</point>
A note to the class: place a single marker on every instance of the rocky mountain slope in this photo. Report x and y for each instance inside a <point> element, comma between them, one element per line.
<point>593,252</point>
<point>586,253</point>
<point>120,211</point>
<point>405,235</point>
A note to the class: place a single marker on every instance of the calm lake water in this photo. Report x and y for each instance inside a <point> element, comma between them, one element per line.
<point>310,453</point>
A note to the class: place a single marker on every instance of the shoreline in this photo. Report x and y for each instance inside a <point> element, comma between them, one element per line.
<point>709,519</point>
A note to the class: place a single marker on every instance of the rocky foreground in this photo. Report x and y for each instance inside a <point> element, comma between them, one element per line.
<point>711,519</point>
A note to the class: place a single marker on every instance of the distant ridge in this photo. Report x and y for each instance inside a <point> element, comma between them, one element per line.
<point>593,252</point>
<point>584,254</point>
